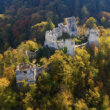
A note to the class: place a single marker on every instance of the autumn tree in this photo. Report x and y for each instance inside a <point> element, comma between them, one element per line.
<point>81,105</point>
<point>8,58</point>
<point>91,23</point>
<point>106,103</point>
<point>9,73</point>
<point>63,100</point>
<point>83,71</point>
<point>38,31</point>
<point>7,96</point>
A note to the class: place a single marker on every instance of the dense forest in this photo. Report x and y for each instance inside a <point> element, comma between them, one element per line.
<point>78,82</point>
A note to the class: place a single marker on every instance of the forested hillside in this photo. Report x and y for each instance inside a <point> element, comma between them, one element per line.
<point>78,82</point>
<point>18,16</point>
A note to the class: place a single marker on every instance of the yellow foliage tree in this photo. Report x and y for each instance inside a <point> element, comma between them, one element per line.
<point>9,73</point>
<point>4,83</point>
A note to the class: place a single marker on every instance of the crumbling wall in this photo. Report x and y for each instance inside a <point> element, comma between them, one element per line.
<point>26,73</point>
<point>69,43</point>
<point>93,35</point>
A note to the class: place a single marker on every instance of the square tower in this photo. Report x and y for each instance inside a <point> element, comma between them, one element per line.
<point>72,26</point>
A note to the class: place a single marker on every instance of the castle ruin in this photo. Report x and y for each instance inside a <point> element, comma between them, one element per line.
<point>51,37</point>
<point>54,39</point>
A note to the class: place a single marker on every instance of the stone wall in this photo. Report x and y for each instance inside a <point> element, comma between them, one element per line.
<point>69,43</point>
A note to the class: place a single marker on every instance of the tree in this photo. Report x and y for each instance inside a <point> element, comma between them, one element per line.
<point>63,100</point>
<point>1,65</point>
<point>38,31</point>
<point>82,71</point>
<point>50,15</point>
<point>43,61</point>
<point>31,45</point>
<point>84,12</point>
<point>4,83</point>
<point>9,73</point>
<point>103,19</point>
<point>16,56</point>
<point>65,21</point>
<point>93,98</point>
<point>61,68</point>
<point>23,47</point>
<point>81,105</point>
<point>106,103</point>
<point>8,58</point>
<point>20,30</point>
<point>103,61</point>
<point>28,101</point>
<point>50,24</point>
<point>26,59</point>
<point>7,96</point>
<point>91,23</point>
